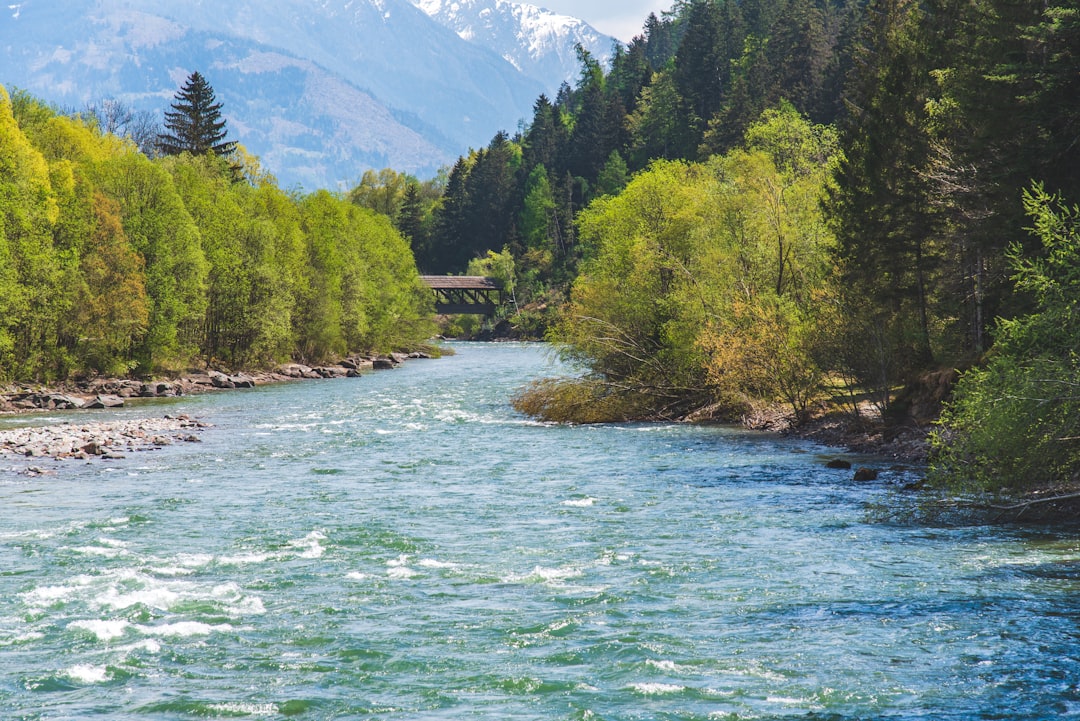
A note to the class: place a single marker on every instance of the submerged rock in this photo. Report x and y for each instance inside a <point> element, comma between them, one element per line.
<point>866,474</point>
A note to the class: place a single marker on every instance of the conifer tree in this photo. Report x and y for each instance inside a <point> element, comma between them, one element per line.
<point>194,125</point>
<point>659,42</point>
<point>880,208</point>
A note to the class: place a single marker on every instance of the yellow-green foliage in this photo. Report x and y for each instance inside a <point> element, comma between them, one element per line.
<point>701,280</point>
<point>580,400</point>
<point>30,270</point>
<point>111,261</point>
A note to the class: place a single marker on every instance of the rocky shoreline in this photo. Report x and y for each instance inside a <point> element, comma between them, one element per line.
<point>867,434</point>
<point>114,440</point>
<point>108,440</point>
<point>100,393</point>
<point>905,445</point>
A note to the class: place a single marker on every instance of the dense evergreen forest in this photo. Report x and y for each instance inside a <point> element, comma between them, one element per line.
<point>768,200</point>
<point>114,262</point>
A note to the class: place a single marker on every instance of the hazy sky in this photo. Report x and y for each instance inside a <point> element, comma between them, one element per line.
<point>621,18</point>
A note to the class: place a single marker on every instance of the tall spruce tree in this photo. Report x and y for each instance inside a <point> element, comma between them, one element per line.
<point>194,125</point>
<point>880,207</point>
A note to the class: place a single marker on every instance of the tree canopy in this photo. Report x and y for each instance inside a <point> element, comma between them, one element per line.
<point>113,262</point>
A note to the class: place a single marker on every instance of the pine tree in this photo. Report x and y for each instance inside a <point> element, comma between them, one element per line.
<point>630,72</point>
<point>1005,114</point>
<point>659,42</point>
<point>880,209</point>
<point>546,140</point>
<point>446,251</point>
<point>195,124</point>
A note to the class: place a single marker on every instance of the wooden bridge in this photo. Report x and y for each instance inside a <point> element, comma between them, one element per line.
<point>465,294</point>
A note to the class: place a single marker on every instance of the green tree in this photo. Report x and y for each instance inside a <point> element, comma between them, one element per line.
<point>998,119</point>
<point>361,290</point>
<point>112,311</point>
<point>881,207</point>
<point>161,230</point>
<point>449,248</point>
<point>655,124</point>
<point>714,36</point>
<point>29,265</point>
<point>538,221</point>
<point>545,142</point>
<point>195,125</point>
<point>411,216</point>
<point>660,43</point>
<point>613,176</point>
<point>702,283</point>
<point>491,189</point>
<point>1014,424</point>
<point>382,191</point>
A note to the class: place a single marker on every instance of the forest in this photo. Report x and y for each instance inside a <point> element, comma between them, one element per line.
<point>114,261</point>
<point>755,202</point>
<point>763,201</point>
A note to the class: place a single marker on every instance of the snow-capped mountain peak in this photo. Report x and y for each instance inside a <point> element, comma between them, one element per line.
<point>538,42</point>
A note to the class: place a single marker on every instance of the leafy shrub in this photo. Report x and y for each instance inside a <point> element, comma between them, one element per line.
<point>1015,423</point>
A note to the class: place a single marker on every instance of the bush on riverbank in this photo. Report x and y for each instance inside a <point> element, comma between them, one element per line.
<point>1015,422</point>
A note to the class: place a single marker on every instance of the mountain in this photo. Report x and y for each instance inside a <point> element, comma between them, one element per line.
<point>540,43</point>
<point>321,90</point>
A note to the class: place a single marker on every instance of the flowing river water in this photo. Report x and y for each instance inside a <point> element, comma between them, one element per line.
<point>406,546</point>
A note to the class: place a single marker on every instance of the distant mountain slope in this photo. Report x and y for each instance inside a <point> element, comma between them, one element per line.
<point>538,42</point>
<point>320,89</point>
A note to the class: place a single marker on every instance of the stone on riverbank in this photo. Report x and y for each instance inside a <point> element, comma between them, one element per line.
<point>107,441</point>
<point>106,402</point>
<point>99,393</point>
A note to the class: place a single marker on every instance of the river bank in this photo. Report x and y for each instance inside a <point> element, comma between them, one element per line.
<point>830,426</point>
<point>866,434</point>
<point>114,440</point>
<point>101,393</point>
<point>109,440</point>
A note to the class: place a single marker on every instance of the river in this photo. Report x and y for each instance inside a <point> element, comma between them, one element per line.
<point>406,546</point>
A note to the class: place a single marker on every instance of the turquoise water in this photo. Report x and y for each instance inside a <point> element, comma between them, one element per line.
<point>405,546</point>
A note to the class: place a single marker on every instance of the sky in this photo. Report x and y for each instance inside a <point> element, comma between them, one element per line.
<point>621,18</point>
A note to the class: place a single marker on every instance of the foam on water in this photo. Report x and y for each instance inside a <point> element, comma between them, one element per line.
<point>103,551</point>
<point>85,673</point>
<point>184,629</point>
<point>541,574</point>
<point>432,563</point>
<point>245,709</point>
<point>657,689</point>
<point>148,645</point>
<point>309,545</point>
<point>156,596</point>
<point>669,666</point>
<point>104,630</point>
<point>46,595</point>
